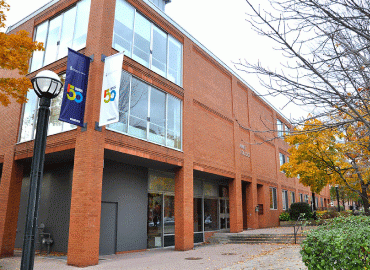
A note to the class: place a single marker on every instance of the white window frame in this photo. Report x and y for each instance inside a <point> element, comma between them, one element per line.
<point>285,199</point>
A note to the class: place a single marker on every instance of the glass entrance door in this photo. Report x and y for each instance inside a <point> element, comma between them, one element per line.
<point>224,214</point>
<point>155,225</point>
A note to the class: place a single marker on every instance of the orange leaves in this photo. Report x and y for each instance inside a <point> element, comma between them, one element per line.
<point>15,88</point>
<point>15,52</point>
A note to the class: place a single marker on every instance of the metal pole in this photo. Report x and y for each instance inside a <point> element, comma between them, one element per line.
<point>336,189</point>
<point>37,169</point>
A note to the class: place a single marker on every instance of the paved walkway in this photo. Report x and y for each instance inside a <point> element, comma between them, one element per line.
<point>202,257</point>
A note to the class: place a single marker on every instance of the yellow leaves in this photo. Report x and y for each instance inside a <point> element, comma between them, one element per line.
<point>3,6</point>
<point>15,88</point>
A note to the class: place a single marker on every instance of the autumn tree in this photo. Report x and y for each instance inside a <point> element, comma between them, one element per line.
<point>330,156</point>
<point>15,52</point>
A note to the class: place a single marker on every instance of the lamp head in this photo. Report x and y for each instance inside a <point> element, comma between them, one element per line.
<point>47,84</point>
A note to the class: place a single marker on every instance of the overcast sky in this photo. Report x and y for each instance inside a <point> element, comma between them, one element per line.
<point>218,24</point>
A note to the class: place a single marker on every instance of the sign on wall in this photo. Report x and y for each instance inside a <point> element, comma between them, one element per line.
<point>109,112</point>
<point>74,97</point>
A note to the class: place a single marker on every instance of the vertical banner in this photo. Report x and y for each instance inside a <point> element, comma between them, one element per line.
<point>74,97</point>
<point>109,112</point>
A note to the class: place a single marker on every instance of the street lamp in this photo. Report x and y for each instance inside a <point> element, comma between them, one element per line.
<point>47,85</point>
<point>336,189</point>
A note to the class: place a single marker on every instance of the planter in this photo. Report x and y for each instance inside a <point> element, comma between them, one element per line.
<point>289,223</point>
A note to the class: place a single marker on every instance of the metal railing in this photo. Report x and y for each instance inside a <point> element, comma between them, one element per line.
<point>298,225</point>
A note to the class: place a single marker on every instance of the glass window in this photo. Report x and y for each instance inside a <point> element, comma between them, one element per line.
<point>300,197</point>
<point>154,220</point>
<point>157,125</point>
<point>142,40</point>
<point>306,198</point>
<point>198,214</point>
<point>292,196</point>
<point>322,202</point>
<point>123,105</point>
<point>287,130</point>
<point>273,198</point>
<point>29,117</point>
<point>282,159</point>
<point>69,29</point>
<point>38,56</point>
<point>169,214</point>
<point>161,182</point>
<point>153,114</point>
<point>51,48</point>
<point>159,51</point>
<point>174,122</point>
<point>138,109</point>
<point>280,129</point>
<point>146,43</point>
<point>28,125</point>
<point>123,27</point>
<point>210,189</point>
<point>82,22</point>
<point>285,199</point>
<point>210,214</point>
<point>66,37</point>
<point>174,61</point>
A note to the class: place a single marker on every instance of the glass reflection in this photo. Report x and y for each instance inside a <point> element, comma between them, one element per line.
<point>154,220</point>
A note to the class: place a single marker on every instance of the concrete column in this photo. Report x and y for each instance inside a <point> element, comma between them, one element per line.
<point>10,192</point>
<point>236,210</point>
<point>184,224</point>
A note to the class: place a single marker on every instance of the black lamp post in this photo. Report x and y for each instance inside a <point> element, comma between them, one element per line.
<point>336,189</point>
<point>47,85</point>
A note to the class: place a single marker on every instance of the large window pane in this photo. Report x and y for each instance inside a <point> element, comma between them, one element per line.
<point>210,214</point>
<point>67,32</point>
<point>142,40</point>
<point>123,27</point>
<point>174,122</point>
<point>169,214</point>
<point>29,113</point>
<point>38,56</point>
<point>157,116</point>
<point>53,39</point>
<point>159,54</point>
<point>154,220</point>
<point>82,22</point>
<point>198,214</point>
<point>174,61</point>
<point>138,109</point>
<point>123,106</point>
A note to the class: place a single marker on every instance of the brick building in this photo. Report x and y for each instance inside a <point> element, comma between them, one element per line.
<point>182,162</point>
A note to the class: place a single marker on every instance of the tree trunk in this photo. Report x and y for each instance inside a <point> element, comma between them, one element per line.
<point>313,202</point>
<point>365,200</point>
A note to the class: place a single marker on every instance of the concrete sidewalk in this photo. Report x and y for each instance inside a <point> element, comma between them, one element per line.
<point>202,257</point>
<point>228,256</point>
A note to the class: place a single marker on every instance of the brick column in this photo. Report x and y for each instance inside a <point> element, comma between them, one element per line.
<point>184,225</point>
<point>251,204</point>
<point>10,192</point>
<point>84,229</point>
<point>84,226</point>
<point>236,210</point>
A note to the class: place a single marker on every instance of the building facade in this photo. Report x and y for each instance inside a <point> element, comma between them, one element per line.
<point>184,160</point>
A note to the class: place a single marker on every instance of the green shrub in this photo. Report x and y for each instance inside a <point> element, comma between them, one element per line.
<point>300,207</point>
<point>284,216</point>
<point>341,243</point>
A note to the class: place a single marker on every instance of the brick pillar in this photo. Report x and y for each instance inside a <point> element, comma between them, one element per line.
<point>184,224</point>
<point>10,192</point>
<point>84,226</point>
<point>236,210</point>
<point>251,205</point>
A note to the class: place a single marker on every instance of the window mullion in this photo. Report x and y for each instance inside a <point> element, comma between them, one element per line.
<point>168,56</point>
<point>46,44</point>
<point>151,46</point>
<point>129,105</point>
<point>133,34</point>
<point>148,115</point>
<point>166,120</point>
